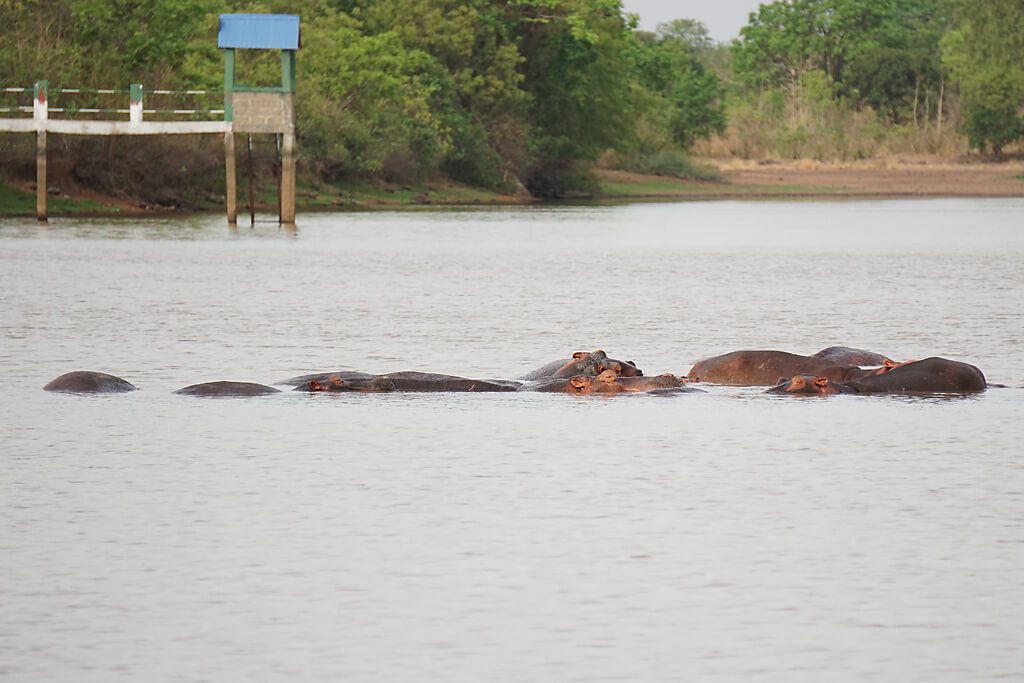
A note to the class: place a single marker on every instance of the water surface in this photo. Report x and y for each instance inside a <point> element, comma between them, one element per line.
<point>510,537</point>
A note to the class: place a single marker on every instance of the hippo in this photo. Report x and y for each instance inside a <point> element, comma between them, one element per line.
<point>932,375</point>
<point>763,368</point>
<point>409,380</point>
<point>324,376</point>
<point>844,355</point>
<point>922,377</point>
<point>227,389</point>
<point>583,363</point>
<point>810,385</point>
<point>88,382</point>
<point>335,384</point>
<point>610,383</point>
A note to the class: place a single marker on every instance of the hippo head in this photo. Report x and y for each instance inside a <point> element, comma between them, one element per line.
<point>594,363</point>
<point>807,385</point>
<point>604,383</point>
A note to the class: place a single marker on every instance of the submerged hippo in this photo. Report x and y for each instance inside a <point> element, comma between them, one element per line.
<point>590,364</point>
<point>610,383</point>
<point>810,385</point>
<point>410,380</point>
<point>844,355</point>
<point>928,376</point>
<point>227,389</point>
<point>88,382</point>
<point>335,384</point>
<point>763,368</point>
<point>324,376</point>
<point>407,381</point>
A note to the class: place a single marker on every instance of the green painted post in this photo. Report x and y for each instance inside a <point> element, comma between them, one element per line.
<point>229,83</point>
<point>288,71</point>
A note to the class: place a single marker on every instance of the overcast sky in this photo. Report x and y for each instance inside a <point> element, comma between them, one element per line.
<point>722,17</point>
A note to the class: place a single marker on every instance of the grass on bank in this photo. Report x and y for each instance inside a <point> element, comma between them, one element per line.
<point>16,202</point>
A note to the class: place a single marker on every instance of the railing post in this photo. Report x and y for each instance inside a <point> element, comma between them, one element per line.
<point>135,108</point>
<point>40,112</point>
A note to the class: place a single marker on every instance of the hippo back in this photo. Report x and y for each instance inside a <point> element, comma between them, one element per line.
<point>227,389</point>
<point>844,355</point>
<point>928,376</point>
<point>89,382</point>
<point>763,368</point>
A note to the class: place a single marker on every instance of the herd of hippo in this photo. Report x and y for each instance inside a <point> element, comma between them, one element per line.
<point>834,370</point>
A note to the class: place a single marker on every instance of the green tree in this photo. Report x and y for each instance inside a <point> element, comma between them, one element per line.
<point>985,51</point>
<point>482,105</point>
<point>578,78</point>
<point>667,64</point>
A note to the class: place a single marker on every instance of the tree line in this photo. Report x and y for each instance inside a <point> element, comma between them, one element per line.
<point>513,94</point>
<point>927,70</point>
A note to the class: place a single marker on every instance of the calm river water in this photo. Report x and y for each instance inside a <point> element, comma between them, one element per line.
<point>511,537</point>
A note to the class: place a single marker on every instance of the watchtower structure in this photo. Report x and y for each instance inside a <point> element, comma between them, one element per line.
<point>250,109</point>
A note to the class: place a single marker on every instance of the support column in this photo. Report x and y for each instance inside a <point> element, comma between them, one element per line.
<point>40,112</point>
<point>288,178</point>
<point>252,196</point>
<point>41,176</point>
<point>231,185</point>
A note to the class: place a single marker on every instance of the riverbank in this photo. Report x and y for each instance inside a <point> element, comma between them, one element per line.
<point>879,178</point>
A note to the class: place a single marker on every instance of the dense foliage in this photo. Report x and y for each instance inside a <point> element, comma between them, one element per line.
<point>507,94</point>
<point>496,94</point>
<point>911,62</point>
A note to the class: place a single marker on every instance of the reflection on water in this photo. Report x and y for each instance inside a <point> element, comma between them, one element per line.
<point>150,536</point>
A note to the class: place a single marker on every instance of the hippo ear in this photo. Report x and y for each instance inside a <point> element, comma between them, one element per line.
<point>781,380</point>
<point>600,353</point>
<point>821,381</point>
<point>580,355</point>
<point>889,364</point>
<point>316,386</point>
<point>613,368</point>
<point>608,376</point>
<point>579,382</point>
<point>337,381</point>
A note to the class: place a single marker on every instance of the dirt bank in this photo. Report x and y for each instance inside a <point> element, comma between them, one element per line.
<point>926,177</point>
<point>886,178</point>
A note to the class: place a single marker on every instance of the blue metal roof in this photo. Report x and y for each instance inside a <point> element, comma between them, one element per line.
<point>259,31</point>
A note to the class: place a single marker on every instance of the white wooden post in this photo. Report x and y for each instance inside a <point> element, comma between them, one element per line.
<point>40,112</point>
<point>135,108</point>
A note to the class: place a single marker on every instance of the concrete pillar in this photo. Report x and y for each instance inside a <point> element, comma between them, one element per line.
<point>231,184</point>
<point>288,178</point>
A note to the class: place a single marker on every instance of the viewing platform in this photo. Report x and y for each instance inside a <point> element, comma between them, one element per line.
<point>246,109</point>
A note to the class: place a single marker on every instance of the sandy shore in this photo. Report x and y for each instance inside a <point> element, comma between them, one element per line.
<point>914,178</point>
